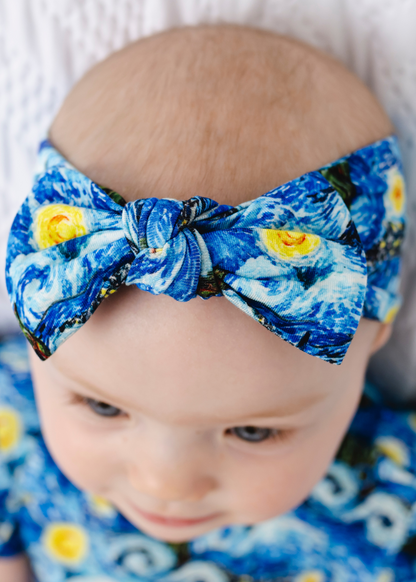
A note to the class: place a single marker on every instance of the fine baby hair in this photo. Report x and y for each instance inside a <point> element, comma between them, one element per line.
<point>220,163</point>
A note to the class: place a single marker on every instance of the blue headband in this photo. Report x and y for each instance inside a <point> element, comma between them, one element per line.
<point>307,260</point>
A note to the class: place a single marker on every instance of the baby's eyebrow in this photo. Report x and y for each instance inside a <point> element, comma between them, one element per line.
<point>87,387</point>
<point>283,410</point>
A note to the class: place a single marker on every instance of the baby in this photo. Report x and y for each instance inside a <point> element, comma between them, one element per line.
<point>187,416</point>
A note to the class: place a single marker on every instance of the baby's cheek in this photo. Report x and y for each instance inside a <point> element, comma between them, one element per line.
<point>275,486</point>
<point>80,453</point>
<point>281,483</point>
<point>263,488</point>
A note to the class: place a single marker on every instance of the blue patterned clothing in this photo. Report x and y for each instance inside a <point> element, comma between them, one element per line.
<point>307,260</point>
<point>357,525</point>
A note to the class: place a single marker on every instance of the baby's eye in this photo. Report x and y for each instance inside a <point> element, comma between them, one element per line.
<point>254,434</point>
<point>102,408</point>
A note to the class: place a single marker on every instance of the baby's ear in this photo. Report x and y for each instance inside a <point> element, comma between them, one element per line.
<point>382,336</point>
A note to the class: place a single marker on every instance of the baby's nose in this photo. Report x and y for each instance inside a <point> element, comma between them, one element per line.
<point>171,479</point>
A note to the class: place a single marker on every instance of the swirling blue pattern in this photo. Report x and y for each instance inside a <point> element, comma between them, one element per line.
<point>357,525</point>
<point>306,259</point>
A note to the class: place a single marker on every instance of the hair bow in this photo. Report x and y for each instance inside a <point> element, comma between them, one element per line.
<point>306,260</point>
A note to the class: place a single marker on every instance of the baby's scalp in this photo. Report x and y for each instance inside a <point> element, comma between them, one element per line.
<point>224,112</point>
<point>227,113</point>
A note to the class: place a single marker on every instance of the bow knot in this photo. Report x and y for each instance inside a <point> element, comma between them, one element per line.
<point>167,251</point>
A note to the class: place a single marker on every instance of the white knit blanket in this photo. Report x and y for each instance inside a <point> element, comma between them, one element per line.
<point>46,45</point>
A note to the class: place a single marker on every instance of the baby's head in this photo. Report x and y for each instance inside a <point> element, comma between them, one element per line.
<point>192,410</point>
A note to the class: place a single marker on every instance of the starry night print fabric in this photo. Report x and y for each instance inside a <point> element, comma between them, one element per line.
<point>357,525</point>
<point>307,260</point>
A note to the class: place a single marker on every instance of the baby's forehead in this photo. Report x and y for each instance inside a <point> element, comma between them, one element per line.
<point>222,112</point>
